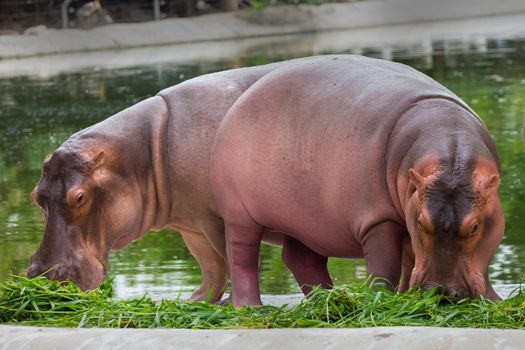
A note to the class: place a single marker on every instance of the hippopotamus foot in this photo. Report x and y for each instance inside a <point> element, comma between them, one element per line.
<point>242,248</point>
<point>308,267</point>
<point>382,250</point>
<point>225,301</point>
<point>213,267</point>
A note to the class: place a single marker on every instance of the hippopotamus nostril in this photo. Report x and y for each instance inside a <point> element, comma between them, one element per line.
<point>457,293</point>
<point>33,270</point>
<point>438,289</point>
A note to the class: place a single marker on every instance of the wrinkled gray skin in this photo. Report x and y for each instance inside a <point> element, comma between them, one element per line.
<point>143,169</point>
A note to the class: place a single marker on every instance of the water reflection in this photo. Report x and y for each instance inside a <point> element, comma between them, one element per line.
<point>38,113</point>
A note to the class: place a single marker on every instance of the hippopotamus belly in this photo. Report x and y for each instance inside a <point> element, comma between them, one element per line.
<point>306,148</point>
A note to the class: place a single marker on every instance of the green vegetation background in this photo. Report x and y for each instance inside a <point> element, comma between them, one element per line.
<point>38,113</point>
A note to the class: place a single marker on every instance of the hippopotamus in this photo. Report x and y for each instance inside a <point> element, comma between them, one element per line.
<point>356,157</point>
<point>143,169</point>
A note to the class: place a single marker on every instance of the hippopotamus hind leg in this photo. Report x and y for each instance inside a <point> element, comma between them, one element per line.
<point>213,267</point>
<point>242,248</point>
<point>308,267</point>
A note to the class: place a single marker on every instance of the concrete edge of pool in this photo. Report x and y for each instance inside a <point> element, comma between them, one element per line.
<point>19,337</point>
<point>232,25</point>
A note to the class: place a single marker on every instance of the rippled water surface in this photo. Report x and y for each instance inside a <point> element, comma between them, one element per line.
<point>38,114</point>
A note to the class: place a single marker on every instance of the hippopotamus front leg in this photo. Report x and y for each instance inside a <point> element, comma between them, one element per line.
<point>382,250</point>
<point>213,267</point>
<point>308,267</point>
<point>407,265</point>
<point>491,293</point>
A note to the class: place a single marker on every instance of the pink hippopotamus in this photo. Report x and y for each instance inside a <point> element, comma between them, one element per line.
<point>356,157</point>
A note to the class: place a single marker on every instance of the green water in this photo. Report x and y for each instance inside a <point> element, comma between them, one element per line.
<point>38,114</point>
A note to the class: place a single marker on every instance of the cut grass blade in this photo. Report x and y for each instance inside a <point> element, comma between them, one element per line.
<point>41,302</point>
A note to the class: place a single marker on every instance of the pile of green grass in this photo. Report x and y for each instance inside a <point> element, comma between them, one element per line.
<point>41,302</point>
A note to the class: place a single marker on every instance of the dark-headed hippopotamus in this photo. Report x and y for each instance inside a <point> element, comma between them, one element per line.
<point>357,157</point>
<point>145,168</point>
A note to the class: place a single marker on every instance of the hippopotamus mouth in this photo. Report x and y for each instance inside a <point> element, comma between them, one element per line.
<point>88,272</point>
<point>459,287</point>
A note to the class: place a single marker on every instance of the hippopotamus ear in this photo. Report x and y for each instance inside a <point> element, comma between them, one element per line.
<point>96,159</point>
<point>485,184</point>
<point>417,180</point>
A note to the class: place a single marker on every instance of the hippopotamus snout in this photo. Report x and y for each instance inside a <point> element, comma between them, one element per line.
<point>38,266</point>
<point>452,291</point>
<point>52,272</point>
<point>458,284</point>
<point>88,273</point>
<point>33,271</point>
<point>37,269</point>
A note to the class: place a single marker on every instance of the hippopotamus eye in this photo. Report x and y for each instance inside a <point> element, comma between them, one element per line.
<point>419,224</point>
<point>474,228</point>
<point>80,199</point>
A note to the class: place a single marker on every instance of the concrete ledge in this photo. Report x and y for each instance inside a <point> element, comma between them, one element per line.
<point>415,37</point>
<point>13,337</point>
<point>273,21</point>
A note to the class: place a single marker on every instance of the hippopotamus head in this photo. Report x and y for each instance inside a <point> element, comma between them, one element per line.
<point>90,206</point>
<point>455,221</point>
